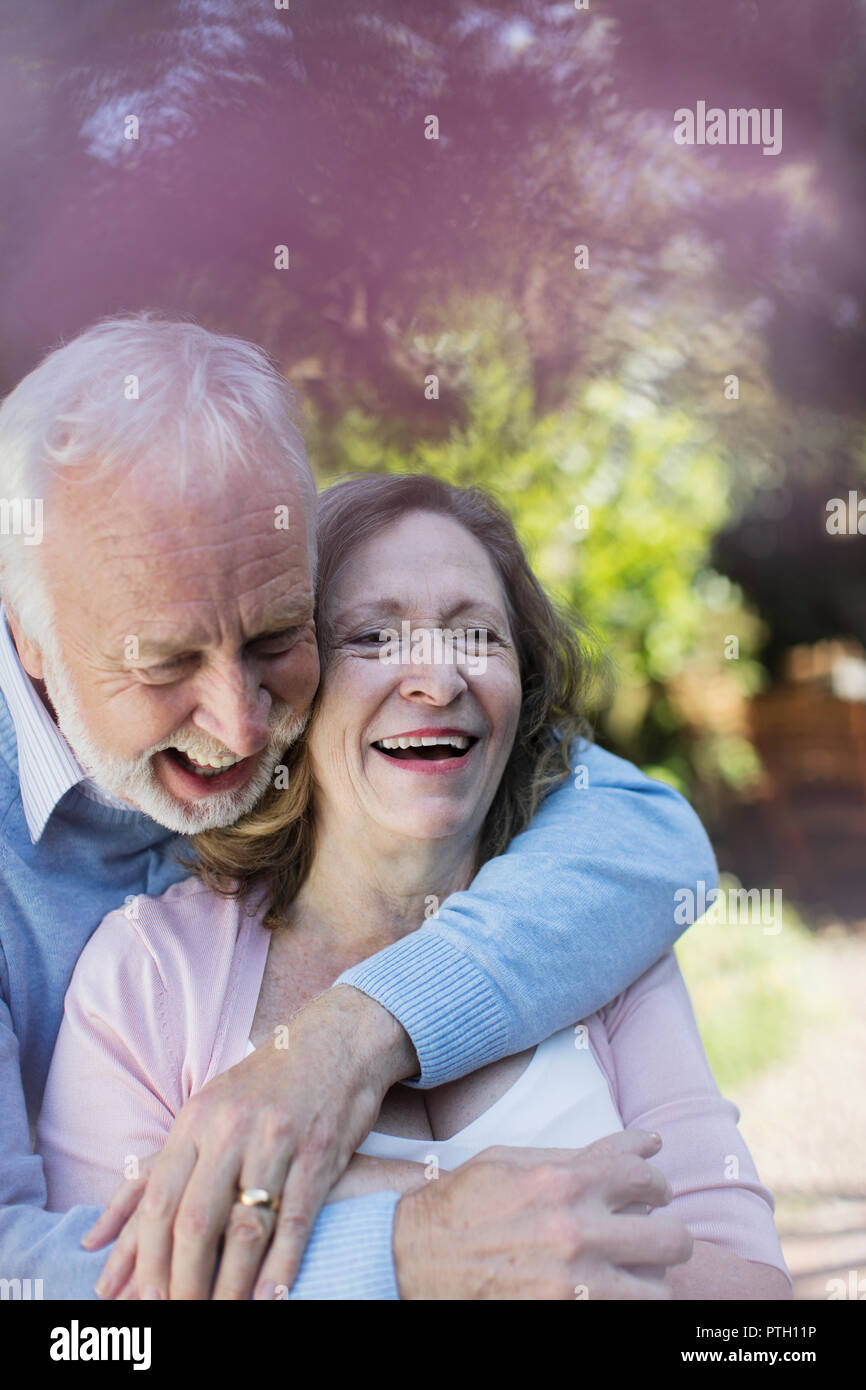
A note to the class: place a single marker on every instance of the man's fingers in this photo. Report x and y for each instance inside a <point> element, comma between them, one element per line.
<point>637,1142</point>
<point>112,1220</point>
<point>156,1214</point>
<point>129,1292</point>
<point>305,1191</point>
<point>248,1235</point>
<point>200,1223</point>
<point>630,1179</point>
<point>124,1201</point>
<point>660,1240</point>
<point>120,1263</point>
<point>642,1142</point>
<point>249,1230</point>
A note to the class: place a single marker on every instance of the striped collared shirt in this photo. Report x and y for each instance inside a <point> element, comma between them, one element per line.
<point>47,766</point>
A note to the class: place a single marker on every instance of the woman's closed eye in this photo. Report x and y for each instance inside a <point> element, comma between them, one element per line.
<point>462,638</point>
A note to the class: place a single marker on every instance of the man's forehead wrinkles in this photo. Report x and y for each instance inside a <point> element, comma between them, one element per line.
<point>107,530</point>
<point>143,586</point>
<point>284,545</point>
<point>148,589</point>
<point>143,511</point>
<point>297,587</point>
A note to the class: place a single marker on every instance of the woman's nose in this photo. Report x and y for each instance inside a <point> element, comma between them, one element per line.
<point>439,682</point>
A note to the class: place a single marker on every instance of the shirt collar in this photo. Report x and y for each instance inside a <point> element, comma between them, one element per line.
<point>47,766</point>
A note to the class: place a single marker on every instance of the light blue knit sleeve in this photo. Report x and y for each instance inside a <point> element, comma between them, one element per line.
<point>582,903</point>
<point>350,1251</point>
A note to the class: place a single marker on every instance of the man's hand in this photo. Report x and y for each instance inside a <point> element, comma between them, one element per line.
<point>286,1120</point>
<point>120,1216</point>
<point>542,1224</point>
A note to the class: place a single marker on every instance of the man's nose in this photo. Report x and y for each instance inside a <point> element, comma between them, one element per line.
<point>234,709</point>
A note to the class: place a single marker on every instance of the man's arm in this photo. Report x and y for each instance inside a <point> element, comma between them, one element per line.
<point>577,909</point>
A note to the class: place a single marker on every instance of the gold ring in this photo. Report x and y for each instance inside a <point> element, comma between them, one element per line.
<point>258,1197</point>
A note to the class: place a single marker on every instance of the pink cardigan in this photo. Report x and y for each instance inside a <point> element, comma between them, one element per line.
<point>163,1001</point>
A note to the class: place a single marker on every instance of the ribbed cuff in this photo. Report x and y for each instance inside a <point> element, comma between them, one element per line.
<point>447,1005</point>
<point>350,1254</point>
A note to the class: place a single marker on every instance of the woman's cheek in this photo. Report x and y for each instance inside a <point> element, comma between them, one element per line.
<point>503,698</point>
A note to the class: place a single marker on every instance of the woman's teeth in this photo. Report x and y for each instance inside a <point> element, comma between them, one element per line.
<point>427,748</point>
<point>425,741</point>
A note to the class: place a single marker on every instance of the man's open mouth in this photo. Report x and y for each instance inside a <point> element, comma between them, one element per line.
<point>214,766</point>
<point>428,748</point>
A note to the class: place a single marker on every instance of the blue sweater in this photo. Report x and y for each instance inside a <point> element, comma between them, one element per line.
<point>581,905</point>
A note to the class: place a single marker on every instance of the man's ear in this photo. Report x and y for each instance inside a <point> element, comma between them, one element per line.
<point>29,653</point>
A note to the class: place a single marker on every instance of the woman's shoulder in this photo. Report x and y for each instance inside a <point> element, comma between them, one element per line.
<point>186,928</point>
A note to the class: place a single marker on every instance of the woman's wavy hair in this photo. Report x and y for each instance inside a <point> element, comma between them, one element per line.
<point>272,846</point>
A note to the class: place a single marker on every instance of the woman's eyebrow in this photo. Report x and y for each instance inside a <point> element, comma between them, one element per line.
<point>392,607</point>
<point>374,607</point>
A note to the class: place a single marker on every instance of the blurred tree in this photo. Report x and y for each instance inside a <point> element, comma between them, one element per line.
<point>305,127</point>
<point>261,127</point>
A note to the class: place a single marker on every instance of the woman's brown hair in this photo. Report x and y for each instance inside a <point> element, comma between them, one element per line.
<point>273,844</point>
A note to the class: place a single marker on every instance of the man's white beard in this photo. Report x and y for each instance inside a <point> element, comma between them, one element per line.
<point>134,779</point>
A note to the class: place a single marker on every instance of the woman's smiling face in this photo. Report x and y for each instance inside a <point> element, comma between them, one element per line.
<point>425,575</point>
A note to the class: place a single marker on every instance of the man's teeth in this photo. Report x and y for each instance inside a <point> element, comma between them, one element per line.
<point>425,741</point>
<point>209,767</point>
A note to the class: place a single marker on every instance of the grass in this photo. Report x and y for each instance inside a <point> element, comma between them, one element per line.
<point>752,990</point>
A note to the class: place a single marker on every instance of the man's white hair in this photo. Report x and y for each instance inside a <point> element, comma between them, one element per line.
<point>136,392</point>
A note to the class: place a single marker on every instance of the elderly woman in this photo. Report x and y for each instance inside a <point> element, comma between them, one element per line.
<point>451,702</point>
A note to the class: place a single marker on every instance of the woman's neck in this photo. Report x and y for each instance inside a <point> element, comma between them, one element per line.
<point>363,893</point>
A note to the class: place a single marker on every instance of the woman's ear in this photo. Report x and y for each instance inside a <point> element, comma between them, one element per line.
<point>29,652</point>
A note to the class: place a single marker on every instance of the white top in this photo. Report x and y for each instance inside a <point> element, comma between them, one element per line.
<point>561,1100</point>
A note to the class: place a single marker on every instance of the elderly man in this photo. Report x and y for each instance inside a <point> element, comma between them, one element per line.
<point>157,655</point>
